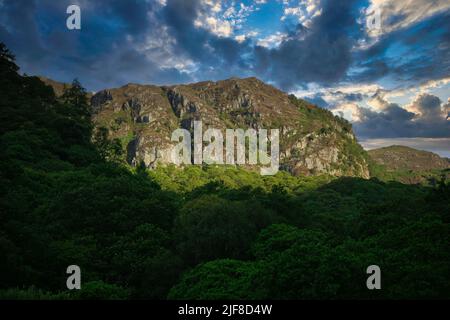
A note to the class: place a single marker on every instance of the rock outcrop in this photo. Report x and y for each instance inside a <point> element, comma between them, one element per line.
<point>312,140</point>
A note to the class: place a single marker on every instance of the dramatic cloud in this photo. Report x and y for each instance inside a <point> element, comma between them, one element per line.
<point>175,40</point>
<point>321,50</point>
<point>425,118</point>
<point>304,11</point>
<point>428,107</point>
<point>446,108</point>
<point>321,53</point>
<point>107,51</point>
<point>407,55</point>
<point>401,14</point>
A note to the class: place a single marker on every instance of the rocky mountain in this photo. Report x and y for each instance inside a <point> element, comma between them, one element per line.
<point>395,158</point>
<point>312,140</point>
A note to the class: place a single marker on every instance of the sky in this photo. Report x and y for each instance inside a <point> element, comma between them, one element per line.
<point>382,64</point>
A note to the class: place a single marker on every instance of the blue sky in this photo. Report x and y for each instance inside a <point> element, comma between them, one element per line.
<point>389,76</point>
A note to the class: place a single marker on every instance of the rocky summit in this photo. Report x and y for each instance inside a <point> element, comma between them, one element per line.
<point>312,140</point>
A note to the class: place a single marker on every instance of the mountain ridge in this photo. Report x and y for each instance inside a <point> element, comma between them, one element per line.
<point>312,140</point>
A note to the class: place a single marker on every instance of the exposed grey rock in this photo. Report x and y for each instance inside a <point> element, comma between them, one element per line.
<point>312,140</point>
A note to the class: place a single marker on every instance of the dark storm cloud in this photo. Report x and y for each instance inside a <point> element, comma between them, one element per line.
<point>429,106</point>
<point>351,96</point>
<point>428,120</point>
<point>111,47</point>
<point>322,56</point>
<point>318,100</point>
<point>413,54</point>
<point>21,33</point>
<point>337,98</point>
<point>218,57</point>
<point>101,54</point>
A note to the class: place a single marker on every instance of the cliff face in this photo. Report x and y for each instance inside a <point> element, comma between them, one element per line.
<point>312,140</point>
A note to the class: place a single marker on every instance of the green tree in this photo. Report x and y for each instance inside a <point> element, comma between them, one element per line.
<point>109,150</point>
<point>221,279</point>
<point>210,227</point>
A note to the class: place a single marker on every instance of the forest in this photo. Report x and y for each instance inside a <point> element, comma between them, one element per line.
<point>199,232</point>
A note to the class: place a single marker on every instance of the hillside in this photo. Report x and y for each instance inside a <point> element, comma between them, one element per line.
<point>312,140</point>
<point>406,158</point>
<point>408,165</point>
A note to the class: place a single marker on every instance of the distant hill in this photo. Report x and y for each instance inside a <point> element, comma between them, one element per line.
<point>408,165</point>
<point>406,158</point>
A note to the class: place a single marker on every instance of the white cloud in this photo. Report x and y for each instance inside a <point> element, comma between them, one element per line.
<point>427,106</point>
<point>159,49</point>
<point>304,11</point>
<point>335,95</point>
<point>446,109</point>
<point>240,38</point>
<point>432,84</point>
<point>397,14</point>
<point>378,103</point>
<point>219,27</point>
<point>272,40</point>
<point>349,111</point>
<point>224,18</point>
<point>210,17</point>
<point>291,11</point>
<point>248,35</point>
<point>410,92</point>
